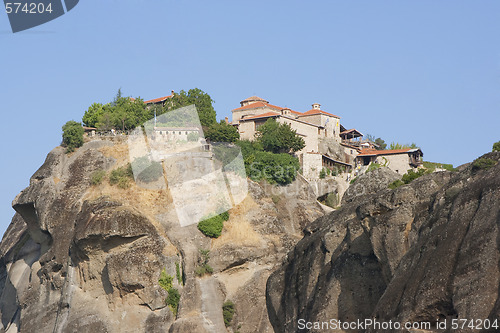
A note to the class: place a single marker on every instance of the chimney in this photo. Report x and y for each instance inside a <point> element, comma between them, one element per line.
<point>227,120</point>
<point>316,106</point>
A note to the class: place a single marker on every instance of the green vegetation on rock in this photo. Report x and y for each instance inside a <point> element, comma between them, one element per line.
<point>212,227</point>
<point>72,136</point>
<point>121,176</point>
<point>97,177</point>
<point>222,132</point>
<point>432,166</point>
<point>228,312</point>
<point>203,266</point>
<point>408,177</point>
<point>483,163</point>
<point>496,146</point>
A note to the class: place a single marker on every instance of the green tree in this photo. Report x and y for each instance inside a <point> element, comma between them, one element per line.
<point>72,136</point>
<point>279,138</point>
<point>91,116</point>
<point>496,146</point>
<point>200,99</point>
<point>222,132</point>
<point>396,145</point>
<point>381,143</point>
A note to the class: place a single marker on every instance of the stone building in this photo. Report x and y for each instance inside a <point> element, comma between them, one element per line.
<point>316,125</point>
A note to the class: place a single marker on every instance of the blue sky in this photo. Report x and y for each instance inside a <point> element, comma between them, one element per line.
<point>409,71</point>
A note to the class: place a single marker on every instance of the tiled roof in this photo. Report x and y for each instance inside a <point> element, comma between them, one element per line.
<point>258,105</point>
<point>372,152</point>
<point>254,98</point>
<point>264,115</point>
<point>158,100</point>
<point>316,111</point>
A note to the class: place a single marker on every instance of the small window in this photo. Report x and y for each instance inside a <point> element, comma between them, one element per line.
<point>180,132</point>
<point>186,132</point>
<point>166,132</point>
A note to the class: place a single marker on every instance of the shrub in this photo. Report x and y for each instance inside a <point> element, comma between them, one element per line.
<point>121,176</point>
<point>322,173</point>
<point>412,175</point>
<point>353,180</point>
<point>276,199</point>
<point>496,146</point>
<point>165,280</point>
<point>203,266</point>
<point>373,166</point>
<point>228,312</point>
<point>211,227</point>
<point>178,272</point>
<point>274,168</point>
<point>395,184</point>
<point>97,177</point>
<point>72,136</point>
<point>173,299</point>
<point>483,163</point>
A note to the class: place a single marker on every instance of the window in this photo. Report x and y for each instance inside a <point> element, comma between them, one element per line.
<point>180,132</point>
<point>186,132</point>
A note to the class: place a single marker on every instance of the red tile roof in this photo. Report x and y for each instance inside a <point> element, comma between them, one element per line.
<point>158,100</point>
<point>258,105</point>
<point>316,111</point>
<point>254,98</point>
<point>264,115</point>
<point>372,152</point>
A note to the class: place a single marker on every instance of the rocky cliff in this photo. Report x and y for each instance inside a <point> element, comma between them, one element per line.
<point>83,257</point>
<point>424,252</point>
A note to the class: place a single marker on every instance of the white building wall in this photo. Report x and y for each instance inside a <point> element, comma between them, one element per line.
<point>399,163</point>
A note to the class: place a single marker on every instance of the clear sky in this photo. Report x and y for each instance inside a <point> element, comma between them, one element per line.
<point>421,71</point>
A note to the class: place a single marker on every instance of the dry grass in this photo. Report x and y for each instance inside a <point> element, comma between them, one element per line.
<point>56,180</point>
<point>237,230</point>
<point>150,203</point>
<point>118,151</point>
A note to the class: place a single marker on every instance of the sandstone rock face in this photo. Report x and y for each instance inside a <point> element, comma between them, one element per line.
<point>83,257</point>
<point>424,252</point>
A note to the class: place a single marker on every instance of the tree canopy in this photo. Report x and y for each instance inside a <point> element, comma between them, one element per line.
<point>122,113</point>
<point>72,135</point>
<point>200,99</point>
<point>279,138</point>
<point>222,132</point>
<point>396,145</point>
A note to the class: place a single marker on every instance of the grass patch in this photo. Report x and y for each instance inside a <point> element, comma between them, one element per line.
<point>97,177</point>
<point>395,184</point>
<point>165,281</point>
<point>228,312</point>
<point>408,178</point>
<point>353,180</point>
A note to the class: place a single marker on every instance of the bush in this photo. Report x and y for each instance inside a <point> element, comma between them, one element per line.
<point>483,163</point>
<point>121,176</point>
<point>395,184</point>
<point>496,146</point>
<point>72,136</point>
<point>274,168</point>
<point>222,132</point>
<point>211,227</point>
<point>373,166</point>
<point>411,175</point>
<point>165,280</point>
<point>203,266</point>
<point>353,180</point>
<point>322,173</point>
<point>173,299</point>
<point>228,312</point>
<point>178,273</point>
<point>97,177</point>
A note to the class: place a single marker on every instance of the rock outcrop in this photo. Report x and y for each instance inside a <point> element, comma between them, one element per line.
<point>425,252</point>
<point>83,257</point>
